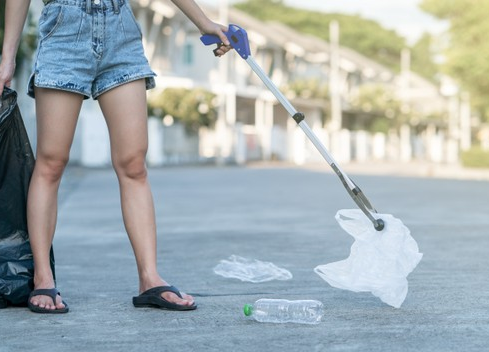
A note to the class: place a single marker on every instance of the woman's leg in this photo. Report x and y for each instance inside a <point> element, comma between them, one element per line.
<point>57,113</point>
<point>125,111</point>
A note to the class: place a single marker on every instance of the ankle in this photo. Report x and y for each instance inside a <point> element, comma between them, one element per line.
<point>44,281</point>
<point>149,282</point>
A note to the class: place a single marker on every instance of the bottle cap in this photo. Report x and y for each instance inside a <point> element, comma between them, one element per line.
<point>248,309</point>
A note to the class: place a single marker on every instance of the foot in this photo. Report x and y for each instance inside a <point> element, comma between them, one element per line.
<point>186,300</point>
<point>46,302</point>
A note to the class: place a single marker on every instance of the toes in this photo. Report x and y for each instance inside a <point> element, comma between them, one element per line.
<point>47,303</point>
<point>59,303</point>
<point>186,300</point>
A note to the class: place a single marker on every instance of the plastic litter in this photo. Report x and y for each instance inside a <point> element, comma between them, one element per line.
<point>379,261</point>
<point>250,270</point>
<point>284,311</point>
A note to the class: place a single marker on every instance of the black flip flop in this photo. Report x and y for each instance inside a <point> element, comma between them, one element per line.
<point>152,298</point>
<point>51,292</point>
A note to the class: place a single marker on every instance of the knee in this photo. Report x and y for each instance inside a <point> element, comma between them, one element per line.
<point>133,167</point>
<point>51,168</point>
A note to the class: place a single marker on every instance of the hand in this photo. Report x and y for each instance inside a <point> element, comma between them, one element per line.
<point>219,30</point>
<point>7,70</point>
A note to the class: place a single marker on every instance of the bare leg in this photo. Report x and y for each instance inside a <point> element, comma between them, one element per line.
<point>57,114</point>
<point>125,109</point>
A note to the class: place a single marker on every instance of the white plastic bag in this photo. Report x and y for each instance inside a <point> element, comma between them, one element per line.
<point>379,261</point>
<point>250,270</point>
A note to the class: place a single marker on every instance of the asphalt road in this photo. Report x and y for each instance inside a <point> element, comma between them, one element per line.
<point>277,214</point>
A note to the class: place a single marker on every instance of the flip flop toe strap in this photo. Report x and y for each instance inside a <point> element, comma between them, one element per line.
<point>155,291</point>
<point>51,292</point>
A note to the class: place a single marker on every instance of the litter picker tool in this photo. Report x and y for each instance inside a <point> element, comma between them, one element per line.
<point>380,259</point>
<point>238,38</point>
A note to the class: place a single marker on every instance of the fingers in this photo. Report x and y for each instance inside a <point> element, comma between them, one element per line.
<point>221,50</point>
<point>218,30</point>
<point>3,83</point>
<point>6,74</point>
<point>221,30</point>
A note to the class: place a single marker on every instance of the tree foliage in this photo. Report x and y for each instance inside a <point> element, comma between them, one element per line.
<point>307,89</point>
<point>363,35</point>
<point>381,106</point>
<point>422,58</point>
<point>468,49</point>
<point>194,108</point>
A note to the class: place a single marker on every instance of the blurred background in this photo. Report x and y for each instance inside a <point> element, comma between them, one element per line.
<point>378,81</point>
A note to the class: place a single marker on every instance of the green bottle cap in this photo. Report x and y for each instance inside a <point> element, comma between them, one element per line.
<point>248,309</point>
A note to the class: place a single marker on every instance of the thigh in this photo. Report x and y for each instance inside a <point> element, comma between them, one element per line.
<point>57,114</point>
<point>125,111</point>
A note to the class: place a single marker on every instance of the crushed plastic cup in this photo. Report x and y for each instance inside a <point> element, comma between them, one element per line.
<point>250,270</point>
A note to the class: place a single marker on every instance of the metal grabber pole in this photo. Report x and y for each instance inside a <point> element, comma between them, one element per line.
<point>238,38</point>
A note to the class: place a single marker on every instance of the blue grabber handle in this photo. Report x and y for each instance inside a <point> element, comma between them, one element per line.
<point>237,36</point>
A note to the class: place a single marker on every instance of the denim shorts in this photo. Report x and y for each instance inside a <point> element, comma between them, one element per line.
<point>88,47</point>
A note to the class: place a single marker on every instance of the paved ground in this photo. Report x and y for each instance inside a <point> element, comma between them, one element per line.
<point>280,214</point>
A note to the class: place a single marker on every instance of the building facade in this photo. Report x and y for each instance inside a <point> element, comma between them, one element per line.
<point>251,124</point>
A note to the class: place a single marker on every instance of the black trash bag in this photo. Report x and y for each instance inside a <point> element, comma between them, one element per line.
<point>16,166</point>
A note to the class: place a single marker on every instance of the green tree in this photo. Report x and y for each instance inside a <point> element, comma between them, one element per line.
<point>307,89</point>
<point>379,107</point>
<point>363,35</point>
<point>194,108</point>
<point>468,50</point>
<point>422,58</point>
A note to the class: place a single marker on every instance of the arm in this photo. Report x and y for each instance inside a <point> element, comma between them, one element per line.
<point>203,23</point>
<point>15,16</point>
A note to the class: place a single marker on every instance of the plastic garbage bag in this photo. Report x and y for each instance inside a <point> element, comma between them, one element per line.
<point>250,270</point>
<point>379,261</point>
<point>16,166</point>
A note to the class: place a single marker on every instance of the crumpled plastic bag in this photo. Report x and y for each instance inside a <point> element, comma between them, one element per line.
<point>16,166</point>
<point>379,261</point>
<point>250,270</point>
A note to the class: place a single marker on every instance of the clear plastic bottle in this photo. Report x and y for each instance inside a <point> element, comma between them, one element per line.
<point>285,311</point>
